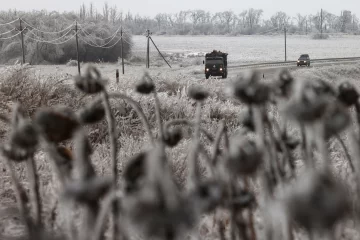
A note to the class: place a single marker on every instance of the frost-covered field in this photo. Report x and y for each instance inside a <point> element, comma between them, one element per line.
<point>244,49</point>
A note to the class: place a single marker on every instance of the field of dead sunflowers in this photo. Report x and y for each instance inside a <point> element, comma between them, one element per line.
<point>275,177</point>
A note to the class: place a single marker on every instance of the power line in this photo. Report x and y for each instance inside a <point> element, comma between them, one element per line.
<point>36,29</point>
<point>267,31</point>
<point>51,41</point>
<point>8,23</point>
<point>99,46</point>
<point>126,41</point>
<point>7,32</point>
<point>114,34</point>
<point>59,43</point>
<point>12,36</point>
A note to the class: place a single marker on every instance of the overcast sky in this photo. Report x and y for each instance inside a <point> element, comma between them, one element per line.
<point>151,7</point>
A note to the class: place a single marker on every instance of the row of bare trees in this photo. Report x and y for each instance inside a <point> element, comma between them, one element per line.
<point>250,21</point>
<point>227,22</point>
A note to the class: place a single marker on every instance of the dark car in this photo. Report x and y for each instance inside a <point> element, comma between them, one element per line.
<point>304,60</point>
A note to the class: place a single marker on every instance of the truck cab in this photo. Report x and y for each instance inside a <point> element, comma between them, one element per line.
<point>216,64</point>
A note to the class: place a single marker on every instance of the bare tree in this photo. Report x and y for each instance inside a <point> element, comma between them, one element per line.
<point>227,17</point>
<point>91,10</point>
<point>158,19</point>
<point>242,18</point>
<point>113,14</point>
<point>106,12</point>
<point>301,21</point>
<point>279,20</point>
<point>253,17</point>
<point>196,16</point>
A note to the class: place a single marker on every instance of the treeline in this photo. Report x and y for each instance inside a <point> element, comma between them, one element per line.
<point>249,21</point>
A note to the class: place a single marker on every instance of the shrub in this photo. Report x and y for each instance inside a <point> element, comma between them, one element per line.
<point>319,36</point>
<point>72,63</point>
<point>21,84</point>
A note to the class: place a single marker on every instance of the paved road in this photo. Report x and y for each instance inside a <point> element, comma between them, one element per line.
<point>269,72</point>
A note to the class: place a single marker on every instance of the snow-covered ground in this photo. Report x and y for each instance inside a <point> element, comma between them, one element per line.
<point>246,49</point>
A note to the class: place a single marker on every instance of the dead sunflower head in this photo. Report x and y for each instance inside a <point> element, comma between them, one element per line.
<point>57,124</point>
<point>244,157</point>
<point>172,137</point>
<point>91,82</point>
<point>347,94</point>
<point>308,101</point>
<point>317,201</point>
<point>145,85</point>
<point>89,191</point>
<point>198,93</point>
<point>23,141</point>
<point>250,90</point>
<point>92,114</point>
<point>336,119</point>
<point>207,196</point>
<point>134,172</point>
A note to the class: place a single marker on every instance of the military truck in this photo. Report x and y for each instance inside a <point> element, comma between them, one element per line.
<point>215,64</point>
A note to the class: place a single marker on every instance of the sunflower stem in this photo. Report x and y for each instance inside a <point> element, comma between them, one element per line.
<point>136,108</point>
<point>346,151</point>
<point>113,147</point>
<point>20,198</point>
<point>35,190</point>
<point>194,176</point>
<point>186,122</point>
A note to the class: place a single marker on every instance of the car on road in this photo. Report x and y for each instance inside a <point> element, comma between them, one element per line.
<point>304,60</point>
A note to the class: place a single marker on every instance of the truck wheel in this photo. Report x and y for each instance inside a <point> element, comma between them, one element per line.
<point>224,75</point>
<point>207,76</point>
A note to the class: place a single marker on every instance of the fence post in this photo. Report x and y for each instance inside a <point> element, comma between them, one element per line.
<point>285,42</point>
<point>321,23</point>
<point>77,46</point>
<point>22,41</point>
<point>148,49</point>
<point>117,75</point>
<point>122,52</point>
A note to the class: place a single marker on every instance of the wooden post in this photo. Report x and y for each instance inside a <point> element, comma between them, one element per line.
<point>77,46</point>
<point>117,75</point>
<point>122,52</point>
<point>321,22</point>
<point>148,49</point>
<point>22,42</point>
<point>285,42</point>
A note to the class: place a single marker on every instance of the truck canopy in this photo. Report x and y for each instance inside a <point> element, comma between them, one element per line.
<point>217,55</point>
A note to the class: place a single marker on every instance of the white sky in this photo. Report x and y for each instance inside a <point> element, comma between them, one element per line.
<point>151,8</point>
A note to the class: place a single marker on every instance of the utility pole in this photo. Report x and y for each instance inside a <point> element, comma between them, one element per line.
<point>77,46</point>
<point>285,42</point>
<point>22,41</point>
<point>321,22</point>
<point>306,27</point>
<point>122,51</point>
<point>148,49</point>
